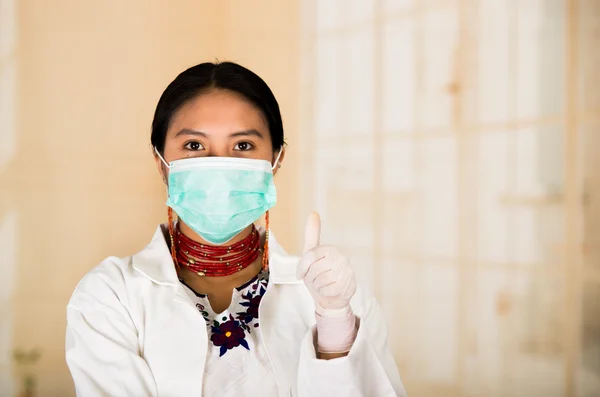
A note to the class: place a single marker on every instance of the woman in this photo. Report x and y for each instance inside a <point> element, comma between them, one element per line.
<point>213,305</point>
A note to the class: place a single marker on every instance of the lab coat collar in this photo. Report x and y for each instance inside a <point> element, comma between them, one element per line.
<point>155,261</point>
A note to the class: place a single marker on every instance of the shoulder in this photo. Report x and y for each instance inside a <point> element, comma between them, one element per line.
<point>104,283</point>
<point>120,278</point>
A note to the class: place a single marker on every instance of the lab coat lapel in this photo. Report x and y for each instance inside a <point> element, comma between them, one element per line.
<point>284,317</point>
<point>174,342</point>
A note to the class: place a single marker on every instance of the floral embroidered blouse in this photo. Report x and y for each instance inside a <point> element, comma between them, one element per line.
<point>237,362</point>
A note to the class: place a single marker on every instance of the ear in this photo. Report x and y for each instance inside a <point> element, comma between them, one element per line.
<point>281,157</point>
<point>162,170</point>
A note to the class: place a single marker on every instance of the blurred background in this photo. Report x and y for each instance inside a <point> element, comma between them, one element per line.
<point>452,148</point>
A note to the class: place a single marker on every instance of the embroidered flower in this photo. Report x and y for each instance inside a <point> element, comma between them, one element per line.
<point>203,311</point>
<point>251,304</point>
<point>232,332</point>
<point>228,335</point>
<point>251,301</point>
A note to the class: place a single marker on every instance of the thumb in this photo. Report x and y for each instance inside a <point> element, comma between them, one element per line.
<point>312,233</point>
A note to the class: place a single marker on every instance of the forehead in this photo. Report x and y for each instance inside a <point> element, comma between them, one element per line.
<point>219,112</point>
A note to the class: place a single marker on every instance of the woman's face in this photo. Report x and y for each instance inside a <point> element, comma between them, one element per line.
<point>218,123</point>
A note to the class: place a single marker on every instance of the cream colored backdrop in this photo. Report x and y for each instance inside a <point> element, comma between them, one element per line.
<point>78,84</point>
<point>450,145</point>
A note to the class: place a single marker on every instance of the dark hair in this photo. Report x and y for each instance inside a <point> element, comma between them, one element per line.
<point>220,75</point>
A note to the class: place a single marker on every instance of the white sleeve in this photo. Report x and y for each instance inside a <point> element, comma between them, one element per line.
<point>368,369</point>
<point>102,347</point>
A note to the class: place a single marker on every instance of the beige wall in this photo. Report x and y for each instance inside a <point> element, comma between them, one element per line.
<point>81,184</point>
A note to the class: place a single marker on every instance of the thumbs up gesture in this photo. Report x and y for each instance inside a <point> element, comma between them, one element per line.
<point>326,273</point>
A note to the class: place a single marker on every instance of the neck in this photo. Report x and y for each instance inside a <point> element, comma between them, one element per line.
<point>219,285</point>
<point>224,284</point>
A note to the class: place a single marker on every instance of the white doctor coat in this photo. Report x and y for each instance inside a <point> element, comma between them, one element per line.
<point>132,331</point>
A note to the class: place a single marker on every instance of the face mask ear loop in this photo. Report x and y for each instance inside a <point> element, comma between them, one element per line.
<point>276,160</point>
<point>166,165</point>
<point>161,158</point>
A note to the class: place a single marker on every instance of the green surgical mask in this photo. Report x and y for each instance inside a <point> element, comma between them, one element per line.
<point>218,197</point>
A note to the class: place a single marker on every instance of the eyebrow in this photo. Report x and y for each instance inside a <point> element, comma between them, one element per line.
<point>187,131</point>
<point>250,132</point>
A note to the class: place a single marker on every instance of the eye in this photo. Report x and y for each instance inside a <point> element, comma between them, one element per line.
<point>194,146</point>
<point>243,146</point>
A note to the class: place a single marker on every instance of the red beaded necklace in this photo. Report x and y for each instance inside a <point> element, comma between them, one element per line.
<point>214,261</point>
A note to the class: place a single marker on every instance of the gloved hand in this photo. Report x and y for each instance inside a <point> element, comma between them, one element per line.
<point>331,282</point>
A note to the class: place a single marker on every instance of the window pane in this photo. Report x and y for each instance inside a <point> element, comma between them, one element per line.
<point>8,79</point>
<point>535,235</point>
<point>589,56</point>
<point>401,223</point>
<point>397,5</point>
<point>8,30</point>
<point>519,211</point>
<point>438,197</point>
<point>358,11</point>
<point>357,73</point>
<point>493,27</point>
<point>515,338</point>
<point>398,76</point>
<point>328,89</point>
<point>439,67</point>
<point>439,302</point>
<point>534,356</point>
<point>401,297</point>
<point>538,166</point>
<point>329,14</point>
<point>540,59</point>
<point>427,294</point>
<point>362,261</point>
<point>484,364</point>
<point>493,182</point>
<point>398,166</point>
<point>402,228</point>
<point>344,185</point>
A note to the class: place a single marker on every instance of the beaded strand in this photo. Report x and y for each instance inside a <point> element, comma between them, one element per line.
<point>173,248</point>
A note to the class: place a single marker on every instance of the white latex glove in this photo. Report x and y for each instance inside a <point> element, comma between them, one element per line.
<point>330,279</point>
<point>326,272</point>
